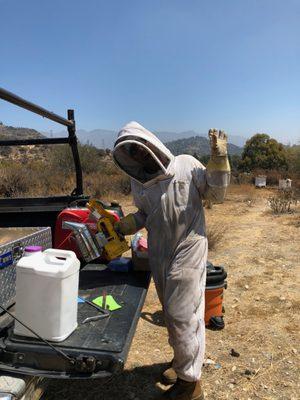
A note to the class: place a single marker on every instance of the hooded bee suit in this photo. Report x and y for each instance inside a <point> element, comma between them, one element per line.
<point>169,204</point>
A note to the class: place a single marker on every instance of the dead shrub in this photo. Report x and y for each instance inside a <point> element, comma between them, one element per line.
<point>37,179</point>
<point>250,195</point>
<point>50,183</point>
<point>48,180</point>
<point>92,159</point>
<point>101,185</point>
<point>15,181</point>
<point>214,232</point>
<point>282,202</point>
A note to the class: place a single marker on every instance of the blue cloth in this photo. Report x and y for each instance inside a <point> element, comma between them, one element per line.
<point>121,264</point>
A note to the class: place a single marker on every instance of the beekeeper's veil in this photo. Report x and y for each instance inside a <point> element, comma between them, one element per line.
<point>140,154</point>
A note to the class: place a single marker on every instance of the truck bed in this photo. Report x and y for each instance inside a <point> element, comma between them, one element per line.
<point>37,211</point>
<point>106,342</point>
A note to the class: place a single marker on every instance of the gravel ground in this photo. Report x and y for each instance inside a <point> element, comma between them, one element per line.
<point>260,252</point>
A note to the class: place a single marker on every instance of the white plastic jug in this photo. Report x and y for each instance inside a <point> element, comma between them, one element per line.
<point>46,294</point>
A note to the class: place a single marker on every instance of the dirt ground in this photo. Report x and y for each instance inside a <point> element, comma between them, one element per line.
<point>261,253</point>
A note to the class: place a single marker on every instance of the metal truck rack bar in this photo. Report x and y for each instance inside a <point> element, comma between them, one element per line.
<point>69,123</point>
<point>18,101</point>
<point>27,142</point>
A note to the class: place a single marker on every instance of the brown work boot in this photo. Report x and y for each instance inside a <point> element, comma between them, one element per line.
<point>183,390</point>
<point>169,376</point>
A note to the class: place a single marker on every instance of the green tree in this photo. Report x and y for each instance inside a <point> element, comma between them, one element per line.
<point>234,161</point>
<point>294,158</point>
<point>263,152</point>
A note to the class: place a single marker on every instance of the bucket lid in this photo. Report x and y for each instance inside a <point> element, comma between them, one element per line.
<point>215,274</point>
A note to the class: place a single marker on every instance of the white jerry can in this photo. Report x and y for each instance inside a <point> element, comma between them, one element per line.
<point>46,294</point>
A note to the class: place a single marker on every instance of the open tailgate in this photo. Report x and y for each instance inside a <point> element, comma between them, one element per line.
<point>100,348</point>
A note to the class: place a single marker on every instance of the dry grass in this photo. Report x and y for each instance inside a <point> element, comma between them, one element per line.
<point>215,232</point>
<point>296,221</point>
<point>282,202</point>
<point>14,181</point>
<point>102,185</point>
<point>41,178</point>
<point>260,252</point>
<point>250,196</point>
<point>261,255</point>
<point>245,193</point>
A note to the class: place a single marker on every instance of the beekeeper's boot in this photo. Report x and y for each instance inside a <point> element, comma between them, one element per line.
<point>169,376</point>
<point>183,390</point>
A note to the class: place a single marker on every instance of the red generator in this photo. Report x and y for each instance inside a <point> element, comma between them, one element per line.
<point>64,239</point>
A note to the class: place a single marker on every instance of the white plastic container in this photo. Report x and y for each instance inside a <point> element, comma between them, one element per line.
<point>46,294</point>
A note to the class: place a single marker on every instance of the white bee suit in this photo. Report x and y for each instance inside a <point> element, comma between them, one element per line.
<point>170,207</point>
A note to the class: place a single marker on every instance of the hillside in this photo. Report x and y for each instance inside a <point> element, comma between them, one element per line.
<point>197,145</point>
<point>10,132</point>
<point>20,152</point>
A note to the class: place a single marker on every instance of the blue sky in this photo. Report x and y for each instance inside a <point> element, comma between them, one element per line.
<point>169,64</point>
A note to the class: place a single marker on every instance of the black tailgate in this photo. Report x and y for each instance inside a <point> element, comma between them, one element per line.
<point>100,347</point>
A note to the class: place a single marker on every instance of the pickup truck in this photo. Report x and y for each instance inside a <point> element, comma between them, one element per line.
<point>95,350</point>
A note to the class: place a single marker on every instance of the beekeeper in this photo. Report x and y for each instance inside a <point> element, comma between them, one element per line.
<point>168,192</point>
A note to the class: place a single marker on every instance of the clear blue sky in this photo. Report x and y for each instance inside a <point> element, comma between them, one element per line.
<point>169,64</point>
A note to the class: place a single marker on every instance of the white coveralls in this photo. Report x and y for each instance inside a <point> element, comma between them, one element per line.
<point>170,207</point>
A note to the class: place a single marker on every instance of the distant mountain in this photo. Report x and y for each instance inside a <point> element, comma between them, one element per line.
<point>171,136</point>
<point>191,143</point>
<point>103,138</point>
<point>198,145</point>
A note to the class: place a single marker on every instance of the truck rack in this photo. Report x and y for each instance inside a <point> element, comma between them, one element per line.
<point>35,210</point>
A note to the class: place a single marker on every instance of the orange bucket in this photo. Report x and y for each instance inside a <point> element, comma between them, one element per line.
<point>213,303</point>
<point>215,285</point>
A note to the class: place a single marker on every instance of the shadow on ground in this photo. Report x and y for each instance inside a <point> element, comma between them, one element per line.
<point>136,384</point>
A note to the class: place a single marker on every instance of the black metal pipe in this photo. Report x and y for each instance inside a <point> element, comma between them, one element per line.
<point>18,101</point>
<point>26,142</point>
<point>73,143</point>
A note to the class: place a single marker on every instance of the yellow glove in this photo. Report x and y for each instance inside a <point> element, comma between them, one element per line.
<point>218,143</point>
<point>126,226</point>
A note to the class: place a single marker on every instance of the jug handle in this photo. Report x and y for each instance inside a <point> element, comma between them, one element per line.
<point>68,254</point>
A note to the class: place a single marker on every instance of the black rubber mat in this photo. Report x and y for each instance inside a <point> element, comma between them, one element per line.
<point>112,333</point>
